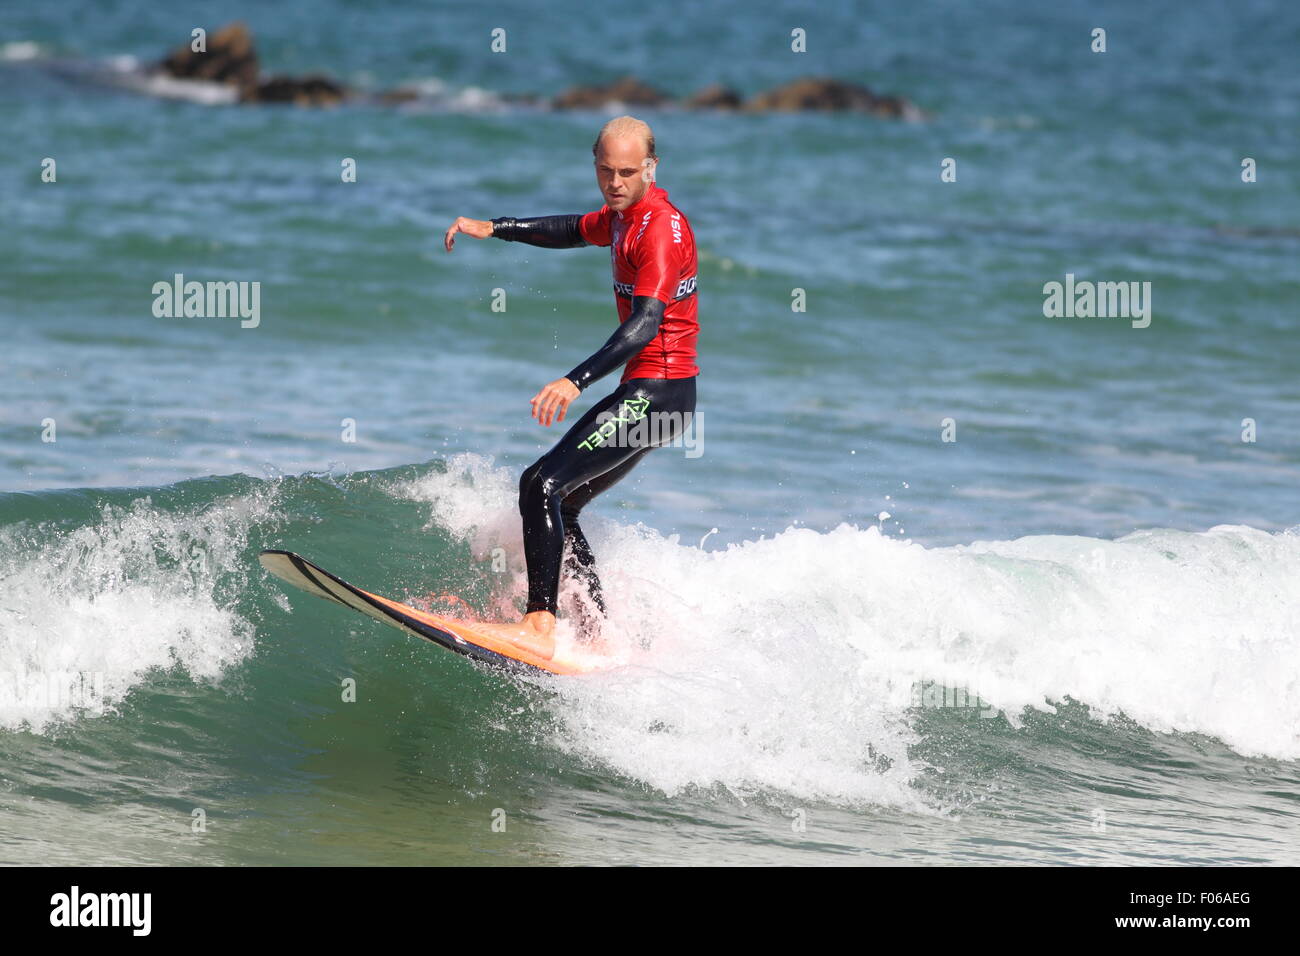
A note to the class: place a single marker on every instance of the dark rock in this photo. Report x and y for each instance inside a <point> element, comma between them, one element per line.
<point>313,90</point>
<point>230,58</point>
<point>714,97</point>
<point>627,90</point>
<point>823,93</point>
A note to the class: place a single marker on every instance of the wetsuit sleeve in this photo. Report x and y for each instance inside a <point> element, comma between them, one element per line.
<point>595,226</point>
<point>550,232</point>
<point>628,339</point>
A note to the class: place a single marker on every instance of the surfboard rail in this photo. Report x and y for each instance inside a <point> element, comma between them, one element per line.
<point>457,636</point>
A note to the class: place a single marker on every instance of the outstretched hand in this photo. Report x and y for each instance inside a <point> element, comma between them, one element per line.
<point>478,228</point>
<point>554,397</point>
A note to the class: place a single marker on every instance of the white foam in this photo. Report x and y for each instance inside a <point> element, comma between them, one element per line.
<point>791,663</point>
<point>18,50</point>
<point>126,72</point>
<point>91,614</point>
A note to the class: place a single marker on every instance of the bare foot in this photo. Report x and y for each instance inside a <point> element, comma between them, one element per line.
<point>533,633</point>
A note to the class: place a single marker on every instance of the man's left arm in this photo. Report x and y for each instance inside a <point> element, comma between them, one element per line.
<point>657,260</point>
<point>628,339</point>
<point>551,403</point>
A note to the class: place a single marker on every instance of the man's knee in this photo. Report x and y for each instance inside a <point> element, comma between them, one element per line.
<point>538,483</point>
<point>529,481</point>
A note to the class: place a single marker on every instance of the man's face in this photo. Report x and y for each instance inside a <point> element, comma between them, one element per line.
<point>622,171</point>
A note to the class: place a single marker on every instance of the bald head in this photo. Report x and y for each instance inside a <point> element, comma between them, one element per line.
<point>625,161</point>
<point>621,127</point>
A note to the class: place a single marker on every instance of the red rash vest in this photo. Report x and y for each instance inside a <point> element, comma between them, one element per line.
<point>652,250</point>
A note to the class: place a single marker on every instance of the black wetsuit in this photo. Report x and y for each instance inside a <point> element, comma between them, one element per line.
<point>603,445</point>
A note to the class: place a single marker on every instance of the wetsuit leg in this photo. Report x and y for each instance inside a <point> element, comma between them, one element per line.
<point>615,433</point>
<point>581,563</point>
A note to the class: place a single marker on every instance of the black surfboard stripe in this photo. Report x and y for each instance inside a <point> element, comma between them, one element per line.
<point>311,573</point>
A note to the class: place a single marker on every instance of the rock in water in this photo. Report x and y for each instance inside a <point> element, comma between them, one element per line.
<point>714,97</point>
<point>627,90</point>
<point>230,58</point>
<point>314,90</point>
<point>818,93</point>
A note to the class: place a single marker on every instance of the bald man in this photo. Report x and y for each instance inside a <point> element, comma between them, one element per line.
<point>652,250</point>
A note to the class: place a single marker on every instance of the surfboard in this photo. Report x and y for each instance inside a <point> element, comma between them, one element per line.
<point>457,636</point>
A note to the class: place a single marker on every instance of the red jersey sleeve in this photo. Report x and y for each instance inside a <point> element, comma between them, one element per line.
<point>594,226</point>
<point>657,257</point>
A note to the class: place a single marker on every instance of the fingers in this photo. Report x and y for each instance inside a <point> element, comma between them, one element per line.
<point>551,404</point>
<point>540,402</point>
<point>545,405</point>
<point>558,404</point>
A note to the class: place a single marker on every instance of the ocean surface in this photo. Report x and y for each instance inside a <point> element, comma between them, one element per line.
<point>945,581</point>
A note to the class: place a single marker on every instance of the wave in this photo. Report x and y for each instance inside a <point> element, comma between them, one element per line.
<point>103,589</point>
<point>799,664</point>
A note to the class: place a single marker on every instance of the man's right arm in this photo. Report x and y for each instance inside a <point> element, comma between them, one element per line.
<point>550,232</point>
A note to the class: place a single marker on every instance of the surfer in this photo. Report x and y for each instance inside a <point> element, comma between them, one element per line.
<point>654,263</point>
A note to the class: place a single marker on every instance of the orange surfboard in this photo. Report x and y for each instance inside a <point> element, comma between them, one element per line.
<point>458,636</point>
